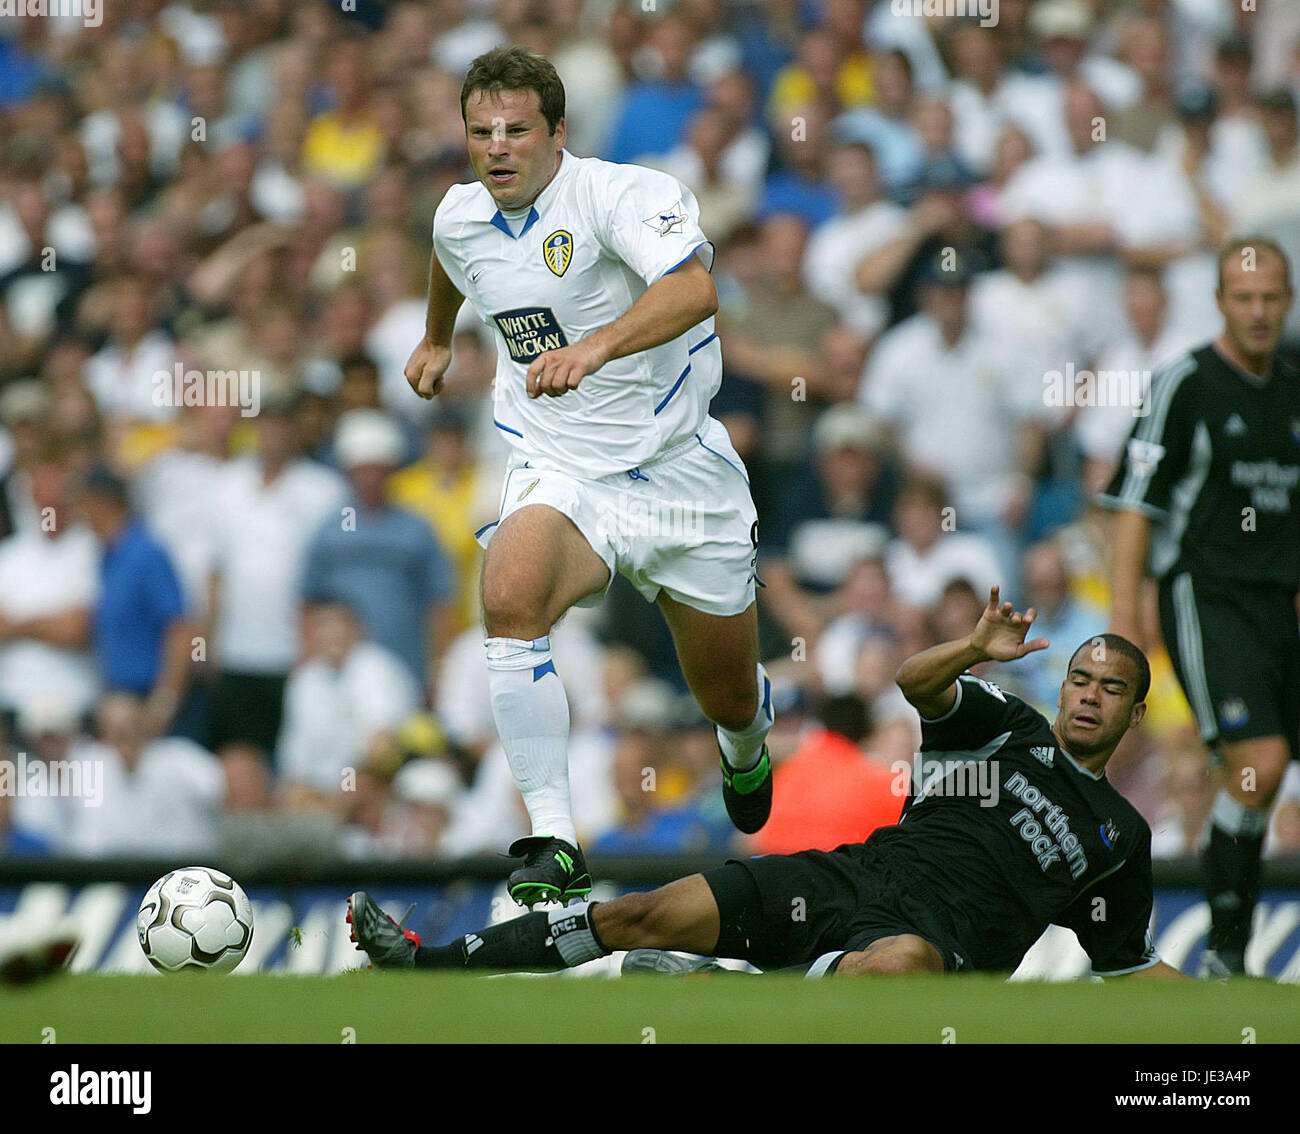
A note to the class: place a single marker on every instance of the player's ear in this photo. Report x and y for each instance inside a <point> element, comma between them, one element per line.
<point>561,133</point>
<point>1139,711</point>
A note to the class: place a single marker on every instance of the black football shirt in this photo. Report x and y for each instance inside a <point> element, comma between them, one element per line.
<point>1215,463</point>
<point>1010,834</point>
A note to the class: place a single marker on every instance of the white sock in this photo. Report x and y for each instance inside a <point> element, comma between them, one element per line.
<point>532,718</point>
<point>742,749</point>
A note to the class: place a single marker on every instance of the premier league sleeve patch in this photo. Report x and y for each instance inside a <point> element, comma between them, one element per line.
<point>557,250</point>
<point>667,221</point>
<point>530,331</point>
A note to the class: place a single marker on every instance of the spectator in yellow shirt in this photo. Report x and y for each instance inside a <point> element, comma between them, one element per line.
<point>443,487</point>
<point>345,145</point>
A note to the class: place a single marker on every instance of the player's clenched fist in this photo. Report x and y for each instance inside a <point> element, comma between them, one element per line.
<point>558,371</point>
<point>426,368</point>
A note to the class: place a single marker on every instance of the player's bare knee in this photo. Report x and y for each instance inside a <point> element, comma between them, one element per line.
<point>904,953</point>
<point>513,609</point>
<point>1255,768</point>
<point>731,708</point>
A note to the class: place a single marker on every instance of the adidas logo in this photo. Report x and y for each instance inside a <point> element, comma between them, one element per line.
<point>1234,426</point>
<point>566,863</point>
<point>1044,754</point>
<point>472,942</point>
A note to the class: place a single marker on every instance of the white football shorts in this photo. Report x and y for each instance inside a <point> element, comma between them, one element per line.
<point>684,522</point>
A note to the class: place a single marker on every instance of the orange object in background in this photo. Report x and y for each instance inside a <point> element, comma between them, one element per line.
<point>828,793</point>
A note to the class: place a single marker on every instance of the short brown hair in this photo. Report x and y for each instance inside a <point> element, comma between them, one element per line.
<point>516,69</point>
<point>1256,244</point>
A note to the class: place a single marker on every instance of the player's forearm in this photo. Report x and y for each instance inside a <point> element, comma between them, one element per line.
<point>1130,535</point>
<point>1031,449</point>
<point>1089,239</point>
<point>877,272</point>
<point>1154,257</point>
<point>773,366</point>
<point>68,628</point>
<point>927,674</point>
<point>669,308</point>
<point>174,672</point>
<point>441,627</point>
<point>791,606</point>
<point>1214,220</point>
<point>444,305</point>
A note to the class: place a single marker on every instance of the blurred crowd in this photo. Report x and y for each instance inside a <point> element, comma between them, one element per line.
<point>238,573</point>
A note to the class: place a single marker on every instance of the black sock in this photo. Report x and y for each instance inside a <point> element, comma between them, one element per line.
<point>1231,865</point>
<point>538,942</point>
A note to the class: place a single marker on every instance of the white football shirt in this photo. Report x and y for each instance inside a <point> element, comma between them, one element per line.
<point>597,237</point>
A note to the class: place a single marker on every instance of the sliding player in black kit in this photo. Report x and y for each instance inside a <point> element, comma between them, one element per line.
<point>1208,501</point>
<point>1021,832</point>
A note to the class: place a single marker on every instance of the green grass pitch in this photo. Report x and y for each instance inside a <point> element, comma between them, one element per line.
<point>457,1008</point>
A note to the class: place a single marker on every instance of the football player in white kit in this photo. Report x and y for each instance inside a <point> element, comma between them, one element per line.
<point>595,279</point>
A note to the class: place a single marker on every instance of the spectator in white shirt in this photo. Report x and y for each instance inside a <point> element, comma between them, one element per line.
<point>965,410</point>
<point>748,150</point>
<point>25,408</point>
<point>45,731</point>
<point>863,607</point>
<point>928,554</point>
<point>49,582</point>
<point>1064,31</point>
<point>975,93</point>
<point>1030,302</point>
<point>271,504</point>
<point>178,493</point>
<point>1271,203</point>
<point>1220,158</point>
<point>1102,424</point>
<point>1097,201</point>
<point>124,375</point>
<point>347,697</point>
<point>161,798</point>
<point>866,221</point>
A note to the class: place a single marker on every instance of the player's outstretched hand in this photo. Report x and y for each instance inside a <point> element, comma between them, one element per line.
<point>558,371</point>
<point>427,367</point>
<point>1000,632</point>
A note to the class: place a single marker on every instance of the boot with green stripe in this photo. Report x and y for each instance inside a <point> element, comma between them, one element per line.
<point>748,795</point>
<point>553,871</point>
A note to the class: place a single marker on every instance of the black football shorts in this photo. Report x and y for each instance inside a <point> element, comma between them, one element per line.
<point>1236,650</point>
<point>778,911</point>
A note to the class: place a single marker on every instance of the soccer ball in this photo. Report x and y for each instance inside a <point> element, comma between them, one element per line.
<point>195,918</point>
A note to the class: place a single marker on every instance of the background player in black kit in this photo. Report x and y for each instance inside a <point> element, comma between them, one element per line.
<point>1207,499</point>
<point>966,881</point>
